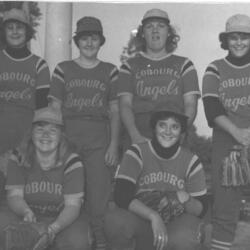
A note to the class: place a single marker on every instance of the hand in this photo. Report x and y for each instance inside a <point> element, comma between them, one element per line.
<point>183,196</point>
<point>242,136</point>
<point>29,216</point>
<point>111,156</point>
<point>159,231</point>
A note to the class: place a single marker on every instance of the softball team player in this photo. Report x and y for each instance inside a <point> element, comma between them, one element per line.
<point>160,164</point>
<point>226,95</point>
<point>24,79</point>
<point>85,90</point>
<point>45,183</point>
<point>154,75</point>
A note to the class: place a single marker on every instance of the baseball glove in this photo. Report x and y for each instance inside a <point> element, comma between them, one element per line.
<point>166,204</point>
<point>26,236</point>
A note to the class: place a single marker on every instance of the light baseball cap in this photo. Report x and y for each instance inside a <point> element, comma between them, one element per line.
<point>16,15</point>
<point>155,13</point>
<point>237,23</point>
<point>48,114</point>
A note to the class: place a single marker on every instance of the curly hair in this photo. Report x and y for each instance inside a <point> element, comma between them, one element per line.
<point>171,43</point>
<point>26,150</point>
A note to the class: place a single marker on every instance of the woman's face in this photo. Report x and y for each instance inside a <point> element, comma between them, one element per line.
<point>168,131</point>
<point>155,32</point>
<point>89,45</point>
<point>238,44</point>
<point>46,137</point>
<point>15,33</point>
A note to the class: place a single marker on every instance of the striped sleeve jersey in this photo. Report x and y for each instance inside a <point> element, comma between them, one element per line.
<point>84,91</point>
<point>142,166</point>
<point>21,78</point>
<point>153,80</point>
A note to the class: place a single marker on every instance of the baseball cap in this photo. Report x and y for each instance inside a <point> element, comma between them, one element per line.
<point>236,23</point>
<point>155,13</point>
<point>48,114</point>
<point>16,15</point>
<point>89,24</point>
<point>167,109</point>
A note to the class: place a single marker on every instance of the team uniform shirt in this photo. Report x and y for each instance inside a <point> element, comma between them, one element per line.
<point>231,85</point>
<point>84,92</point>
<point>142,166</point>
<point>151,81</point>
<point>45,190</point>
<point>20,79</point>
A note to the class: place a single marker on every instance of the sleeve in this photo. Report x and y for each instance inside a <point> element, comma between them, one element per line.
<point>189,78</point>
<point>195,178</point>
<point>73,183</point>
<point>15,176</point>
<point>57,88</point>
<point>125,80</point>
<point>42,84</point>
<point>211,81</point>
<point>113,84</point>
<point>131,165</point>
<point>213,108</point>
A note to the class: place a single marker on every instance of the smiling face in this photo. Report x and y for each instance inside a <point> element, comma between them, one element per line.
<point>168,131</point>
<point>155,32</point>
<point>89,45</point>
<point>15,34</point>
<point>238,44</point>
<point>46,137</point>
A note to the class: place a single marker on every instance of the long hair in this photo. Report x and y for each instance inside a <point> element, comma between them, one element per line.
<point>171,43</point>
<point>25,153</point>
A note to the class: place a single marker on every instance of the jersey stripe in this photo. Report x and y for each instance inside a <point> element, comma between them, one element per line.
<point>125,68</point>
<point>40,65</point>
<point>192,165</point>
<point>135,152</point>
<point>212,70</point>
<point>58,73</point>
<point>114,74</point>
<point>73,163</point>
<point>187,66</point>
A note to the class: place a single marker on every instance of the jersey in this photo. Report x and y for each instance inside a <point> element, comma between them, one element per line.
<point>152,81</point>
<point>84,92</point>
<point>44,191</point>
<point>231,84</point>
<point>20,79</point>
<point>142,166</point>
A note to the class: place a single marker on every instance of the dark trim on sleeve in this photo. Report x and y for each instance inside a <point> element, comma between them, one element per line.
<point>42,98</point>
<point>204,199</point>
<point>213,108</point>
<point>124,192</point>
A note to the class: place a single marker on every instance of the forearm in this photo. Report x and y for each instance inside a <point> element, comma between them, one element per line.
<point>18,205</point>
<point>224,123</point>
<point>55,103</point>
<point>115,124</point>
<point>190,108</point>
<point>128,119</point>
<point>65,218</point>
<point>141,210</point>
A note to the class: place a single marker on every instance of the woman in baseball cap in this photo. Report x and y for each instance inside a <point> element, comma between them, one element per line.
<point>24,79</point>
<point>160,165</point>
<point>85,89</point>
<point>45,183</point>
<point>155,75</point>
<point>226,95</point>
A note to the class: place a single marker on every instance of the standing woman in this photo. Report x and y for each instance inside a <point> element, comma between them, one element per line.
<point>226,93</point>
<point>155,75</point>
<point>24,79</point>
<point>85,90</point>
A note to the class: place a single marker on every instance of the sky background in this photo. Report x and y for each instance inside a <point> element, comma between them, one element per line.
<point>198,25</point>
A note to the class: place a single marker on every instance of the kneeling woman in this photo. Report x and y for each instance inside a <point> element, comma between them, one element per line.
<point>161,164</point>
<point>45,182</point>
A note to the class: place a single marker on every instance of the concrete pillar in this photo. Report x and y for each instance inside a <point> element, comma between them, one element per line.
<point>58,33</point>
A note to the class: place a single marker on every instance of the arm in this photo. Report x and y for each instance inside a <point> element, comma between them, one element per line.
<point>190,106</point>
<point>111,156</point>
<point>128,118</point>
<point>18,205</point>
<point>241,135</point>
<point>55,103</point>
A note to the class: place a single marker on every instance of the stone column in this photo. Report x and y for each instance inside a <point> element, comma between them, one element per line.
<point>58,32</point>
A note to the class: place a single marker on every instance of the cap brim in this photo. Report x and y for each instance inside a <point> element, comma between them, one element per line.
<point>155,17</point>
